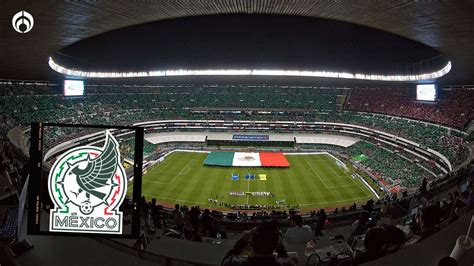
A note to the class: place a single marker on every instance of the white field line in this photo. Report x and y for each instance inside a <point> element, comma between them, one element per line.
<point>248,181</point>
<point>162,158</point>
<point>160,170</point>
<point>181,172</point>
<point>317,175</point>
<point>353,181</point>
<point>195,151</point>
<point>332,170</point>
<point>157,182</point>
<point>187,167</point>
<point>369,187</point>
<point>337,159</point>
<point>322,181</point>
<point>304,153</point>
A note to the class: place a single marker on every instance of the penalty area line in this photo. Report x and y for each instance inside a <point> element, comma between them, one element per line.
<point>181,172</point>
<point>186,168</point>
<point>313,172</point>
<point>331,158</point>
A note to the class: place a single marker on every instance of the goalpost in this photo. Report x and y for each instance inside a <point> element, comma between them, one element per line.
<point>339,163</point>
<point>343,166</point>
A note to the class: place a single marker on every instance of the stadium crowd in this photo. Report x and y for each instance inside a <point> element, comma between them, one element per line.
<point>454,107</point>
<point>369,233</point>
<point>121,105</point>
<point>23,103</point>
<point>125,105</point>
<point>388,163</point>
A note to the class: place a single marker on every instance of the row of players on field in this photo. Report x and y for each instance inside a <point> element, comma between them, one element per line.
<point>278,204</point>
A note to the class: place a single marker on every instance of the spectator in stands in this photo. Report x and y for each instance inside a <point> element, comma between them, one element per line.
<point>428,221</point>
<point>155,214</point>
<point>359,226</point>
<point>126,207</point>
<point>320,224</point>
<point>178,218</point>
<point>194,217</point>
<point>395,238</point>
<point>263,241</point>
<point>353,207</point>
<point>375,245</point>
<point>191,234</point>
<point>423,187</point>
<point>298,233</point>
<point>379,241</point>
<point>145,211</point>
<point>369,205</point>
<point>207,224</point>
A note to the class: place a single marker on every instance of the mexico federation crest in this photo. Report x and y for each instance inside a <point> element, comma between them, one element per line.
<point>247,158</point>
<point>87,185</point>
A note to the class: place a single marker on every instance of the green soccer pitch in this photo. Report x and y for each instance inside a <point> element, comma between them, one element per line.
<point>312,181</point>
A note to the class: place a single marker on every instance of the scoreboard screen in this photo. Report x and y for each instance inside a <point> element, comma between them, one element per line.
<point>425,92</point>
<point>73,87</point>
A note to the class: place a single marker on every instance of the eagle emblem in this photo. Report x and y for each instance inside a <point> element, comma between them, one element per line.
<point>88,181</point>
<point>98,173</point>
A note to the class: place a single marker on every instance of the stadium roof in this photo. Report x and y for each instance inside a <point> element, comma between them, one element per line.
<point>445,26</point>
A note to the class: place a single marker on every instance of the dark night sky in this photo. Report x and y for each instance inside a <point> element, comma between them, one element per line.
<point>246,41</point>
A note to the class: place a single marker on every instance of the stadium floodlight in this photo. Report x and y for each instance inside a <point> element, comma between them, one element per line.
<point>249,72</point>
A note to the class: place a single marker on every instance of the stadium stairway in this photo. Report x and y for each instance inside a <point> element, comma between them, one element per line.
<point>343,99</point>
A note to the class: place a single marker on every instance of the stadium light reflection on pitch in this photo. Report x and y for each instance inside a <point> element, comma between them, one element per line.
<point>248,72</point>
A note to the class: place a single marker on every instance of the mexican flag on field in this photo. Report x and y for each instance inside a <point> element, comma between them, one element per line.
<point>247,159</point>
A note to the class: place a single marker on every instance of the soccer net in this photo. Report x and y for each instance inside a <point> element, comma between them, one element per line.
<point>343,166</point>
